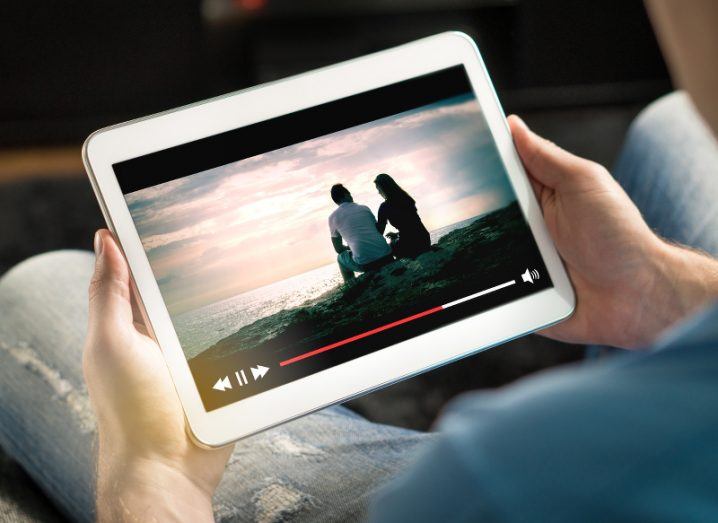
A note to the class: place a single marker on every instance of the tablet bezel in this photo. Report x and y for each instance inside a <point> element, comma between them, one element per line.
<point>371,371</point>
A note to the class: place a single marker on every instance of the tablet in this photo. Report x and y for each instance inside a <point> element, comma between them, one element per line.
<point>302,242</point>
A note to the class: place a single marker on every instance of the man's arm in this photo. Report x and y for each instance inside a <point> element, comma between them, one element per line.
<point>338,244</point>
<point>519,454</point>
<point>544,448</point>
<point>630,284</point>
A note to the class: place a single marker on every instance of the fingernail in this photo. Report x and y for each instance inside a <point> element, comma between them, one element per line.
<point>98,243</point>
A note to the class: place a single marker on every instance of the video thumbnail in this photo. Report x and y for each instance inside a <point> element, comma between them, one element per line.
<point>287,262</point>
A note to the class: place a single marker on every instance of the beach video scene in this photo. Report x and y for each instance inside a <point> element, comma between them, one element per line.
<point>321,239</point>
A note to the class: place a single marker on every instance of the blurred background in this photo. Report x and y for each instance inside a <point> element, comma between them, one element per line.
<point>578,71</point>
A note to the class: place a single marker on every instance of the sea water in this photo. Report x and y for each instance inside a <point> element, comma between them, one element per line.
<point>201,328</point>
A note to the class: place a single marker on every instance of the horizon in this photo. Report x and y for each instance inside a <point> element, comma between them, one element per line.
<point>278,282</point>
<point>251,223</point>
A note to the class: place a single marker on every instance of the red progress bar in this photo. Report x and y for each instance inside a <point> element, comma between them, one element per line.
<point>360,336</point>
<point>395,323</point>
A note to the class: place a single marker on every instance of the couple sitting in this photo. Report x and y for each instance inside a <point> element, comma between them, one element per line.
<point>366,248</point>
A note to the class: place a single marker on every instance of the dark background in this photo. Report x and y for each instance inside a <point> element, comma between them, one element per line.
<point>71,67</point>
<point>578,71</point>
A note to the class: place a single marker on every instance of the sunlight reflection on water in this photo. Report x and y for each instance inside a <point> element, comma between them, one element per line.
<point>201,328</point>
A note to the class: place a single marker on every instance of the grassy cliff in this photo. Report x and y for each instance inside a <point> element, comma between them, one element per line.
<point>461,257</point>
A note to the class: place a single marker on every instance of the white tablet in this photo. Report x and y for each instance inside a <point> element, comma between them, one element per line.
<point>303,242</point>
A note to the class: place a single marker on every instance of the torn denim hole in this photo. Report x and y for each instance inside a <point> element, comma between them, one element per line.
<point>276,442</point>
<point>62,389</point>
<point>284,442</point>
<point>278,501</point>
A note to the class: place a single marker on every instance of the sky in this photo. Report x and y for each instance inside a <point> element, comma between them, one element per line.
<point>234,228</point>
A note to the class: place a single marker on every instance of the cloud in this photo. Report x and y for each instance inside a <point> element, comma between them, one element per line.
<point>262,219</point>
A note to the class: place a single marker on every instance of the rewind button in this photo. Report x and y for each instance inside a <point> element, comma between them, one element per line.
<point>222,384</point>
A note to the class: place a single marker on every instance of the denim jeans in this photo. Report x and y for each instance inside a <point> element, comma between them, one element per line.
<point>347,265</point>
<point>669,168</point>
<point>325,466</point>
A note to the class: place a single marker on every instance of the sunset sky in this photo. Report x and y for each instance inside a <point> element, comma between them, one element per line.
<point>244,225</point>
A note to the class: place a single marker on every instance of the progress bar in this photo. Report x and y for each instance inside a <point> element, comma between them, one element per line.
<point>480,293</point>
<point>393,324</point>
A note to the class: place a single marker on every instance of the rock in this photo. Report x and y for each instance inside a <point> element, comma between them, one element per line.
<point>398,289</point>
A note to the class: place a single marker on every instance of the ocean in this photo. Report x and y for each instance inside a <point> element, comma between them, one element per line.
<point>201,328</point>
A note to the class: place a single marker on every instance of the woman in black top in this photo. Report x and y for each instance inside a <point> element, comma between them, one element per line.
<point>399,209</point>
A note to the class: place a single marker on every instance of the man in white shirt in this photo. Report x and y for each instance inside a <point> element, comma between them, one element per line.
<point>367,249</point>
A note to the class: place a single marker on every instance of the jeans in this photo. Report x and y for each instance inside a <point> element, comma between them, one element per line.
<point>324,466</point>
<point>347,265</point>
<point>669,168</point>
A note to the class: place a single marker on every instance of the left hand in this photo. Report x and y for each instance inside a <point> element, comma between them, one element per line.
<point>147,467</point>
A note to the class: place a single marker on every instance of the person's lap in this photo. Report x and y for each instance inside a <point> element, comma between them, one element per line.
<point>669,168</point>
<point>46,423</point>
<point>323,466</point>
<point>346,260</point>
<point>347,265</point>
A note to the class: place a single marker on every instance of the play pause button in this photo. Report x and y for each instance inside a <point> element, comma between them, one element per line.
<point>241,377</point>
<point>257,372</point>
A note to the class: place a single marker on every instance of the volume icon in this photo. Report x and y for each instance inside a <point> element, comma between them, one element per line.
<point>530,276</point>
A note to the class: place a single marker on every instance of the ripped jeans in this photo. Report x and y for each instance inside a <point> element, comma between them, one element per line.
<point>325,466</point>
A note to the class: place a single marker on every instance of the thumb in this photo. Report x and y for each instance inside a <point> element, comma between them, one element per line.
<point>110,284</point>
<point>545,161</point>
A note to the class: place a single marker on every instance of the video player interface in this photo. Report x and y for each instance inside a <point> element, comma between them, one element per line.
<point>299,243</point>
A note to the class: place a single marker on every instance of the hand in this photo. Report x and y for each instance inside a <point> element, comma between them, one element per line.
<point>147,467</point>
<point>630,284</point>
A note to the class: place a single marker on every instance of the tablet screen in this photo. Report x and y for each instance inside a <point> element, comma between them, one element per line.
<point>295,244</point>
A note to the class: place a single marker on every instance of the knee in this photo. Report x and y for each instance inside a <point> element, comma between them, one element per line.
<point>663,119</point>
<point>50,268</point>
<point>656,139</point>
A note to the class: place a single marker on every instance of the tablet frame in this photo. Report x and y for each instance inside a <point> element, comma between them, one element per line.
<point>359,376</point>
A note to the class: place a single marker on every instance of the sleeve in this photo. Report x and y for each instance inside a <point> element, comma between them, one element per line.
<point>574,442</point>
<point>439,488</point>
<point>448,482</point>
<point>333,231</point>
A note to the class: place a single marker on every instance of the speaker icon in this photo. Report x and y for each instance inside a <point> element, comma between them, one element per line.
<point>530,276</point>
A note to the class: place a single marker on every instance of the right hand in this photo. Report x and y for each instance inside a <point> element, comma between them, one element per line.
<point>630,284</point>
<point>147,466</point>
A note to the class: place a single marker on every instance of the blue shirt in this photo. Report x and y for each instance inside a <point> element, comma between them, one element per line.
<point>634,438</point>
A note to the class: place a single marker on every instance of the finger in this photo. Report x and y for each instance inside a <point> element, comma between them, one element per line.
<point>545,161</point>
<point>110,284</point>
